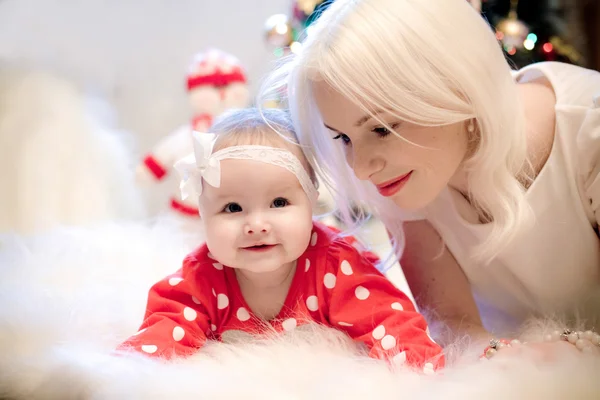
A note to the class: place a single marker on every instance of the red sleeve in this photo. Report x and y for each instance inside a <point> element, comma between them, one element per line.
<point>176,322</point>
<point>370,309</point>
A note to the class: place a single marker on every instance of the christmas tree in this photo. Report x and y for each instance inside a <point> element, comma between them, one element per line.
<point>535,30</point>
<point>284,32</point>
<point>528,30</point>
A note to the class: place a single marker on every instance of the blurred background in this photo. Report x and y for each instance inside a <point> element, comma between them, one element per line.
<point>92,92</point>
<point>136,54</point>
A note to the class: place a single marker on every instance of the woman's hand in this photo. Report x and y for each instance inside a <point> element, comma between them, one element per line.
<point>557,346</point>
<point>545,352</point>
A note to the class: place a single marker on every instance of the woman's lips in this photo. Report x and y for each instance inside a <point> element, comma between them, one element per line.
<point>392,186</point>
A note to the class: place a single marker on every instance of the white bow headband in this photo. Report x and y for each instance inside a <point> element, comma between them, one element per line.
<point>205,166</point>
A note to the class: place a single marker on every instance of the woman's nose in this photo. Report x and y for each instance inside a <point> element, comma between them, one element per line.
<point>364,163</point>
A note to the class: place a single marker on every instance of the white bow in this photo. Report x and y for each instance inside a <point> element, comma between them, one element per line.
<point>199,166</point>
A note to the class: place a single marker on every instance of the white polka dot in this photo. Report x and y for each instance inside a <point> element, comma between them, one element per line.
<point>135,334</point>
<point>313,239</point>
<point>306,265</point>
<point>312,302</point>
<point>397,306</point>
<point>289,324</point>
<point>242,314</point>
<point>341,323</point>
<point>195,300</point>
<point>362,293</point>
<point>178,333</point>
<point>388,342</point>
<point>428,369</point>
<point>214,293</point>
<point>329,280</point>
<point>218,266</point>
<point>213,327</point>
<point>222,301</point>
<point>189,313</point>
<point>210,256</point>
<point>399,358</point>
<point>379,332</point>
<point>346,268</point>
<point>149,348</point>
<point>174,281</point>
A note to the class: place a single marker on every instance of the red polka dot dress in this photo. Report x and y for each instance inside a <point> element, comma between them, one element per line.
<point>334,284</point>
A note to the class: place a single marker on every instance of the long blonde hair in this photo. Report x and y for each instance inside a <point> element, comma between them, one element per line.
<point>432,63</point>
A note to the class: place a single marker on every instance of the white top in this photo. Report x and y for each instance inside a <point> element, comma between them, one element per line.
<point>560,257</point>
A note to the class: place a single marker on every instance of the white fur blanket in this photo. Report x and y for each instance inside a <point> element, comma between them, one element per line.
<point>71,295</point>
<point>61,160</point>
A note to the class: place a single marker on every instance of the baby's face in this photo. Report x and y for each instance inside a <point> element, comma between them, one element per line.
<point>259,219</point>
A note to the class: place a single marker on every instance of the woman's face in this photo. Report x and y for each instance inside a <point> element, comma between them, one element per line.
<point>412,175</point>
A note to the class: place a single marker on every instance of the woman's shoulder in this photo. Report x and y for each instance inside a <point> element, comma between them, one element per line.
<point>557,97</point>
<point>572,85</point>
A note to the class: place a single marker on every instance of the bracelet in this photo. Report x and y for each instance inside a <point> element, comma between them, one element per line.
<point>584,341</point>
<point>496,345</point>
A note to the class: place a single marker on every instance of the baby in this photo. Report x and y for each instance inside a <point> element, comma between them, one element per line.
<point>266,265</point>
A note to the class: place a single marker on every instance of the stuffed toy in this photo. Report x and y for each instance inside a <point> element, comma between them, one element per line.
<point>216,82</point>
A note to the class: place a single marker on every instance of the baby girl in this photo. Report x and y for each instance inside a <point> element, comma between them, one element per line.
<point>266,265</point>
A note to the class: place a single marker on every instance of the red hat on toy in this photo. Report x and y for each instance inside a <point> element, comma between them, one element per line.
<point>215,68</point>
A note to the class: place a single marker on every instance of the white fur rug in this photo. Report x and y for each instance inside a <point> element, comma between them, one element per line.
<point>62,160</point>
<point>70,296</point>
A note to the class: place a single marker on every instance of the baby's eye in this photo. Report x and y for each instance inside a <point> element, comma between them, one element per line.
<point>280,202</point>
<point>232,208</point>
<point>344,138</point>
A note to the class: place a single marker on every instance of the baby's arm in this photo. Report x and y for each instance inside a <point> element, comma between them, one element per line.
<point>370,309</point>
<point>176,321</point>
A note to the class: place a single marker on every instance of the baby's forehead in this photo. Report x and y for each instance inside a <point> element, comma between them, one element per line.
<point>251,168</point>
<point>263,137</point>
<point>251,176</point>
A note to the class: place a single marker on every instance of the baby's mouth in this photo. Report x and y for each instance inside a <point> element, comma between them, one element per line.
<point>259,247</point>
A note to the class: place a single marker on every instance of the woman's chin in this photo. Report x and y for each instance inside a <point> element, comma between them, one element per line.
<point>412,201</point>
<point>407,202</point>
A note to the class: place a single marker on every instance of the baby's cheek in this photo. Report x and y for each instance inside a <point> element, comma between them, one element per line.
<point>220,239</point>
<point>296,230</point>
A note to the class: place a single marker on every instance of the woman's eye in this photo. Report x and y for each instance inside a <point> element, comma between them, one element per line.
<point>382,131</point>
<point>343,137</point>
<point>280,202</point>
<point>232,208</point>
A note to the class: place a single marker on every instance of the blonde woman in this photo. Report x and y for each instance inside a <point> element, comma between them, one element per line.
<point>486,178</point>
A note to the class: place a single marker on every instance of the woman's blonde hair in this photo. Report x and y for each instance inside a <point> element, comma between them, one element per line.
<point>432,63</point>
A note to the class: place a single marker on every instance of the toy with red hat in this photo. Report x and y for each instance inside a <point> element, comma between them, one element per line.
<point>216,82</point>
